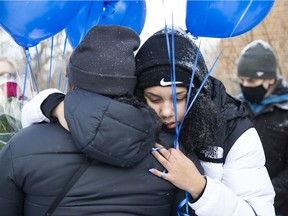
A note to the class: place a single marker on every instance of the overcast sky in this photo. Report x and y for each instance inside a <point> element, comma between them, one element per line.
<point>158,12</point>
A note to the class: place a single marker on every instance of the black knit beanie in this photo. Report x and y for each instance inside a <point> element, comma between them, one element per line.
<point>257,60</point>
<point>104,61</point>
<point>153,67</point>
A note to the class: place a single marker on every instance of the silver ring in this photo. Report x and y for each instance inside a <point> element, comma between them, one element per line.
<point>163,174</point>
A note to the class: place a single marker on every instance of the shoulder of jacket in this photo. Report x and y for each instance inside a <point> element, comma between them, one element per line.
<point>233,129</point>
<point>247,145</point>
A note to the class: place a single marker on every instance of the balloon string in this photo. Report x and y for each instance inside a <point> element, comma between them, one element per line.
<point>171,57</point>
<point>62,62</point>
<point>33,77</point>
<point>185,201</point>
<point>191,85</point>
<point>181,204</point>
<point>204,81</point>
<point>28,59</point>
<point>50,70</point>
<point>173,86</point>
<point>241,18</point>
<point>25,79</point>
<point>38,60</point>
<point>201,86</point>
<point>63,58</point>
<point>38,63</point>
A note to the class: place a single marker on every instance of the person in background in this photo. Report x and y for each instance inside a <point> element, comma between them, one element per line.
<point>265,96</point>
<point>10,100</point>
<point>236,181</point>
<point>40,161</point>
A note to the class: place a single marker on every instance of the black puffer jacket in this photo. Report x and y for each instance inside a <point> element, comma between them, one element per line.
<point>38,162</point>
<point>272,125</point>
<point>235,123</point>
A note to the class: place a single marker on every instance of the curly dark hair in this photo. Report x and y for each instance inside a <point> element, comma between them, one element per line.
<point>201,125</point>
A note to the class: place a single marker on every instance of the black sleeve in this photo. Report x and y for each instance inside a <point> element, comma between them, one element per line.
<point>50,103</point>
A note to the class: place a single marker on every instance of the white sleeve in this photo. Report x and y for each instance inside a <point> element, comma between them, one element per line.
<point>245,187</point>
<point>31,112</point>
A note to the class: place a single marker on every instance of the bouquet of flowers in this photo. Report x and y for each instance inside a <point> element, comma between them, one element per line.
<point>10,111</point>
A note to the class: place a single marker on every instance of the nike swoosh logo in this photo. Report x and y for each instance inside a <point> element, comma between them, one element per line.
<point>259,73</point>
<point>164,83</point>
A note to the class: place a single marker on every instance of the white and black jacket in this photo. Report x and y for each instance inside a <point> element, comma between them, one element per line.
<point>237,179</point>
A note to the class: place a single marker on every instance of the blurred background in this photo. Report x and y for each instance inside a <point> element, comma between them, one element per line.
<point>47,60</point>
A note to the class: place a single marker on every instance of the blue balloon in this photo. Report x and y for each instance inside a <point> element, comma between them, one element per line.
<point>87,17</point>
<point>222,18</point>
<point>29,22</point>
<point>116,12</point>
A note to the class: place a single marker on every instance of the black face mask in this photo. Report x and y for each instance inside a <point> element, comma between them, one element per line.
<point>254,94</point>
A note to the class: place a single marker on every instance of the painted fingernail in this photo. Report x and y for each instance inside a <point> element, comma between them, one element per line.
<point>153,149</point>
<point>156,149</point>
<point>150,170</point>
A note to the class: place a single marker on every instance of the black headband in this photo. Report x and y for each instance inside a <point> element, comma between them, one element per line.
<point>161,76</point>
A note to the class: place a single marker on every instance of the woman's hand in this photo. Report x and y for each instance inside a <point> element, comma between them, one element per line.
<point>181,171</point>
<point>58,112</point>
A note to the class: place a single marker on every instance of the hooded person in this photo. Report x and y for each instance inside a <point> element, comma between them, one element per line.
<point>116,132</point>
<point>265,96</point>
<point>216,127</point>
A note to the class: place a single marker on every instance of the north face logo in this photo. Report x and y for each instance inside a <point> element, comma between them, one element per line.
<point>212,152</point>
